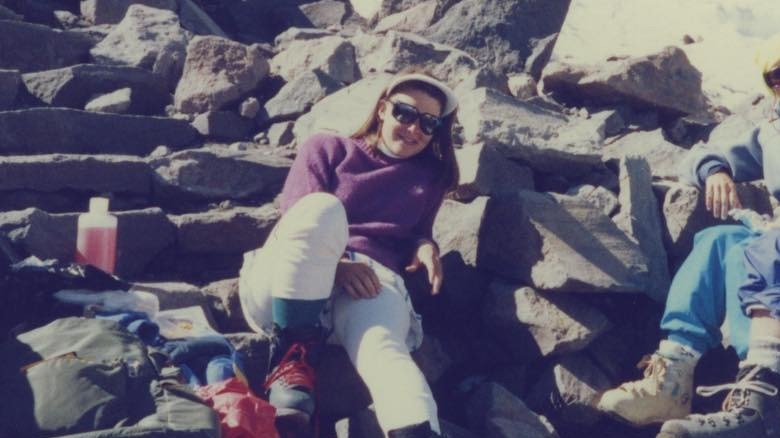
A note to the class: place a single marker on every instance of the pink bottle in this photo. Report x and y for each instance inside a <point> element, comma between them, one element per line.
<point>96,239</point>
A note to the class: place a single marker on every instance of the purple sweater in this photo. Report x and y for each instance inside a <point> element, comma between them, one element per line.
<point>391,203</point>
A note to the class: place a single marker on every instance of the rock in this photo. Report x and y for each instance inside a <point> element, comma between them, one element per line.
<point>9,87</point>
<point>494,412</point>
<point>522,86</point>
<point>218,72</point>
<point>525,131</point>
<point>143,234</point>
<point>8,14</point>
<point>332,55</point>
<point>665,81</point>
<point>249,108</point>
<point>413,20</point>
<point>145,37</point>
<point>256,21</point>
<point>197,21</point>
<point>541,52</point>
<point>662,156</point>
<point>218,175</point>
<point>324,13</point>
<point>640,218</point>
<point>281,134</point>
<point>457,229</point>
<point>599,196</point>
<point>231,231</point>
<point>389,7</point>
<point>226,307</point>
<point>223,125</point>
<point>568,392</point>
<point>177,295</point>
<point>283,40</point>
<point>93,174</point>
<point>74,86</point>
<point>31,47</point>
<point>484,171</point>
<point>343,111</point>
<point>299,95</point>
<point>559,243</point>
<point>397,51</point>
<point>342,391</point>
<point>73,131</point>
<point>432,358</point>
<point>113,11</point>
<point>531,322</point>
<point>117,102</point>
<point>478,27</point>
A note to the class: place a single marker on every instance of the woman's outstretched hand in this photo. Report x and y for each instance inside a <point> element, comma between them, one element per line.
<point>721,194</point>
<point>357,278</point>
<point>428,255</point>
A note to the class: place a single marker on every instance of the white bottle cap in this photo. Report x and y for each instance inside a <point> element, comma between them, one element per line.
<point>98,205</point>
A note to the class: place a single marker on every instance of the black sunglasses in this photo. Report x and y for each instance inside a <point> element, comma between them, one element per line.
<point>408,114</point>
<point>772,77</point>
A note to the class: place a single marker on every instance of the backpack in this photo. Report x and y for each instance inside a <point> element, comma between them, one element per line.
<point>91,378</point>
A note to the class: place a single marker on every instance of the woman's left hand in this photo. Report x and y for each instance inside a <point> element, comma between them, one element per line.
<point>428,255</point>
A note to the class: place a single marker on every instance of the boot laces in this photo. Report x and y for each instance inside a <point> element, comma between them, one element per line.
<point>293,369</point>
<point>654,372</point>
<point>739,392</point>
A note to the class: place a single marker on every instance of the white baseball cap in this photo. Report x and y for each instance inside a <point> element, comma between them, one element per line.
<point>449,106</point>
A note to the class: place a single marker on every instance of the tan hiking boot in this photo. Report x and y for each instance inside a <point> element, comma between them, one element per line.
<point>663,394</point>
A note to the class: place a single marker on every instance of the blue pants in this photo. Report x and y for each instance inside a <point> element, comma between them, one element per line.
<point>703,293</point>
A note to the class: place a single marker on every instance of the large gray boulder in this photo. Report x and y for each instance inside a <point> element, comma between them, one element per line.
<point>88,173</point>
<point>298,96</point>
<point>640,218</point>
<point>484,171</point>
<point>342,112</point>
<point>113,11</point>
<point>665,80</point>
<point>414,20</point>
<point>216,175</point>
<point>332,55</point>
<point>116,102</point>
<point>662,156</point>
<point>74,86</point>
<point>561,243</point>
<point>224,125</point>
<point>218,72</point>
<point>31,47</point>
<point>495,412</point>
<point>148,38</point>
<point>142,234</point>
<point>457,228</point>
<point>480,27</point>
<point>9,87</point>
<point>527,132</point>
<point>325,13</point>
<point>531,323</point>
<point>65,130</point>
<point>229,231</point>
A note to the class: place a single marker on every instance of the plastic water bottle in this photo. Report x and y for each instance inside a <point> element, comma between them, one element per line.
<point>96,239</point>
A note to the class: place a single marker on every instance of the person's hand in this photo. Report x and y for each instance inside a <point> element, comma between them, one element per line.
<point>357,279</point>
<point>428,255</point>
<point>721,194</point>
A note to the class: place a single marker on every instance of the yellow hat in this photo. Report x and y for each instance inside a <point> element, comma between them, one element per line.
<point>768,56</point>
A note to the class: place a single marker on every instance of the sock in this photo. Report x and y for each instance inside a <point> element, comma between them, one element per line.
<point>764,351</point>
<point>289,313</point>
<point>678,351</point>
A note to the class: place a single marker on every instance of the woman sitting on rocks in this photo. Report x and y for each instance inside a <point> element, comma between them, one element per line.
<point>707,290</point>
<point>357,212</point>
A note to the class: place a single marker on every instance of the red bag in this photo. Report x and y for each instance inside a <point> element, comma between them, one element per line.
<point>241,413</point>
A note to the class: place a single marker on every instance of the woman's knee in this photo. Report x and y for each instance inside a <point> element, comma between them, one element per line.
<point>317,215</point>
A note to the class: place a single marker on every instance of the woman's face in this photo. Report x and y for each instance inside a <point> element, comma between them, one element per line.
<point>407,139</point>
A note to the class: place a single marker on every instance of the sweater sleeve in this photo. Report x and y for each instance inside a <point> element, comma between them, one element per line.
<point>312,169</point>
<point>424,228</point>
<point>742,160</point>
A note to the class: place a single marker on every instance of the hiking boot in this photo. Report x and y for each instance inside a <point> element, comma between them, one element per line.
<point>421,430</point>
<point>663,394</point>
<point>750,410</point>
<point>291,383</point>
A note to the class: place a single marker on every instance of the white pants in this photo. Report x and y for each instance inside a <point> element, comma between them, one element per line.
<point>299,261</point>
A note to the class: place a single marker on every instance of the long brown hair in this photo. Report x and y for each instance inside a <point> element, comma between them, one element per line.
<point>440,146</point>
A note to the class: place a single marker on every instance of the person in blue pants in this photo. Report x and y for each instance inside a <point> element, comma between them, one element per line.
<point>703,293</point>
